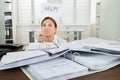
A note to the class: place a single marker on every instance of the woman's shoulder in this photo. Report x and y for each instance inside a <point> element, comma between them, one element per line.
<point>59,39</point>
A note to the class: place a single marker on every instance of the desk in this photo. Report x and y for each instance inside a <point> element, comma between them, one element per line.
<point>77,34</point>
<point>111,74</point>
<point>17,74</point>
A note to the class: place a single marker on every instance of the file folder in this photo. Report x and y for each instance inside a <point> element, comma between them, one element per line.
<point>55,69</point>
<point>21,58</point>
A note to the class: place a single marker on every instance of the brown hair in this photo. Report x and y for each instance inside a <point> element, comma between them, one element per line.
<point>51,20</point>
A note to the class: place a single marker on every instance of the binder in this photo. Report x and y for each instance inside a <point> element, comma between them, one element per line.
<point>21,58</point>
<point>55,69</point>
<point>94,61</point>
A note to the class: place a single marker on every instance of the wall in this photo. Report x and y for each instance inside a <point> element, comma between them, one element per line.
<point>110,19</point>
<point>2,23</point>
<point>93,18</point>
<point>14,18</point>
<point>23,33</point>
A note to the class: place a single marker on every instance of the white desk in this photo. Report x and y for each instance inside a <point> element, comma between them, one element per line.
<point>77,33</point>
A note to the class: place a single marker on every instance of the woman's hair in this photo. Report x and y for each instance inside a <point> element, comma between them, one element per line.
<point>51,20</point>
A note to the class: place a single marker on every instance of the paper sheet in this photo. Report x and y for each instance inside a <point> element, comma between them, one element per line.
<point>57,67</point>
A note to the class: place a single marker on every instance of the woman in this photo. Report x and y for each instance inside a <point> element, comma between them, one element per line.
<point>48,32</point>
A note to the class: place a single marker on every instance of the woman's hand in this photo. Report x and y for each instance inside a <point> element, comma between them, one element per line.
<point>42,38</point>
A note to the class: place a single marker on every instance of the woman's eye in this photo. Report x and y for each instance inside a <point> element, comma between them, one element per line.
<point>50,25</point>
<point>43,25</point>
<point>47,25</point>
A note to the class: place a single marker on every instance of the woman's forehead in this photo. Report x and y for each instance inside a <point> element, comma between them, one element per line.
<point>48,20</point>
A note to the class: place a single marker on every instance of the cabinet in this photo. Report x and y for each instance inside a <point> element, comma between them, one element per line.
<point>8,21</point>
<point>5,22</point>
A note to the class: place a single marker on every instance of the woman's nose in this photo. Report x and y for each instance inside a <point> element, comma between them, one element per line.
<point>47,27</point>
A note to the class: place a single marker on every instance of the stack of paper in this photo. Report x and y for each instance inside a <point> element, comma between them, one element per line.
<point>76,45</point>
<point>41,46</point>
<point>94,45</point>
<point>95,61</point>
<point>16,59</point>
<point>56,69</point>
<point>108,47</point>
<point>56,50</point>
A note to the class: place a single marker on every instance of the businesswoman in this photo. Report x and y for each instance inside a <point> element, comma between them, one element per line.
<point>48,32</point>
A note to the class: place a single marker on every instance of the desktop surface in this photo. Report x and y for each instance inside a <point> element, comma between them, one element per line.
<point>13,74</point>
<point>18,74</point>
<point>110,74</point>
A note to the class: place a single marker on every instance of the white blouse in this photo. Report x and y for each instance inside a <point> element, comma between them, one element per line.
<point>57,42</point>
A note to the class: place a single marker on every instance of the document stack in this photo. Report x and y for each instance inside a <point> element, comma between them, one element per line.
<point>94,61</point>
<point>55,69</point>
<point>33,55</point>
<point>70,60</point>
<point>16,59</point>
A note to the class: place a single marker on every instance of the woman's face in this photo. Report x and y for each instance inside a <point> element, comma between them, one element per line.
<point>48,28</point>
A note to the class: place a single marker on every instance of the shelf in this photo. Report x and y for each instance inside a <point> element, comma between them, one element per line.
<point>9,41</point>
<point>8,21</point>
<point>8,17</point>
<point>7,1</point>
<point>8,7</point>
<point>8,13</point>
<point>8,27</point>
